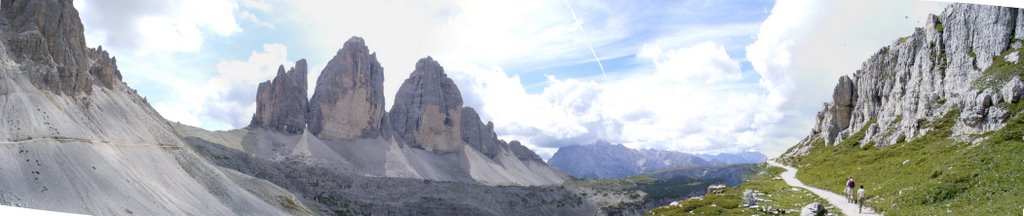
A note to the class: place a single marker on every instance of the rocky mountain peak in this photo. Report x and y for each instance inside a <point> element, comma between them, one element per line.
<point>281,103</point>
<point>47,38</point>
<point>429,67</point>
<point>605,160</point>
<point>428,109</point>
<point>348,101</point>
<point>955,64</point>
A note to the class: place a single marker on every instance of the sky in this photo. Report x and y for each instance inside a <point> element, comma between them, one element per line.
<point>697,76</point>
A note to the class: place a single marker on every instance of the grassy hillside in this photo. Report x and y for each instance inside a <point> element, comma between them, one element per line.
<point>781,196</point>
<point>930,175</point>
<point>648,190</point>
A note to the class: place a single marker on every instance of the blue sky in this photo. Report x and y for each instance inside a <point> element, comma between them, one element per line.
<point>697,76</point>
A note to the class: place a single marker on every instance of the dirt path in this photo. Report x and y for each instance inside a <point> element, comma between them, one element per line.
<point>836,200</point>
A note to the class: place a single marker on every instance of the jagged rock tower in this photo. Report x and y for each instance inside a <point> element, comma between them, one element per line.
<point>428,109</point>
<point>348,102</point>
<point>281,103</point>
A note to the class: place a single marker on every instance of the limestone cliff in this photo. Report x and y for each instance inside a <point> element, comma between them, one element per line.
<point>958,62</point>
<point>46,37</point>
<point>281,103</point>
<point>479,136</point>
<point>428,109</point>
<point>348,101</point>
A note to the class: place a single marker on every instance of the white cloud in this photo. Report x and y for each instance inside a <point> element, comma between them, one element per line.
<point>808,44</point>
<point>529,33</point>
<point>705,61</point>
<point>148,27</point>
<point>645,110</point>
<point>227,100</point>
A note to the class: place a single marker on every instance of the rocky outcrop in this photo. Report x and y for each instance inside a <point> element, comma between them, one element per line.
<point>281,103</point>
<point>46,37</point>
<point>427,110</point>
<point>840,111</point>
<point>478,135</point>
<point>348,101</point>
<point>961,62</point>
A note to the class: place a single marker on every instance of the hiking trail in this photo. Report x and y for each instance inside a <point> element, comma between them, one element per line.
<point>839,201</point>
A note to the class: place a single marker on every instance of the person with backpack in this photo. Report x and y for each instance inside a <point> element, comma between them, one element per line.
<point>850,184</point>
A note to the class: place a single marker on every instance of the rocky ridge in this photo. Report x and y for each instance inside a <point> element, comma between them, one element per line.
<point>425,134</point>
<point>281,103</point>
<point>605,160</point>
<point>955,64</point>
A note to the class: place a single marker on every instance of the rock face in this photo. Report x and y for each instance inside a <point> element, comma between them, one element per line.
<point>956,64</point>
<point>427,110</point>
<point>49,34</point>
<point>604,160</point>
<point>348,101</point>
<point>350,132</point>
<point>281,103</point>
<point>479,136</point>
<point>844,97</point>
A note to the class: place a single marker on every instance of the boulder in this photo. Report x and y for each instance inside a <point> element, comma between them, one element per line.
<point>428,109</point>
<point>281,103</point>
<point>348,101</point>
<point>813,209</point>
<point>1013,90</point>
<point>749,198</point>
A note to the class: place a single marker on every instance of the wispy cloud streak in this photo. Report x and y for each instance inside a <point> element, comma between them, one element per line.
<point>579,26</point>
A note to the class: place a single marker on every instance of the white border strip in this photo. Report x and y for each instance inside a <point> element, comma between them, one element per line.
<point>11,210</point>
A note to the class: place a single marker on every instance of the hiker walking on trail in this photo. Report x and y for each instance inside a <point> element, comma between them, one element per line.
<point>850,184</point>
<point>860,198</point>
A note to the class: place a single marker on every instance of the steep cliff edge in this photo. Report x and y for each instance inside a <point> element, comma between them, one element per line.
<point>957,61</point>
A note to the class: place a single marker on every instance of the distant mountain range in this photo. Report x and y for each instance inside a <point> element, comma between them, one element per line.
<point>606,160</point>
